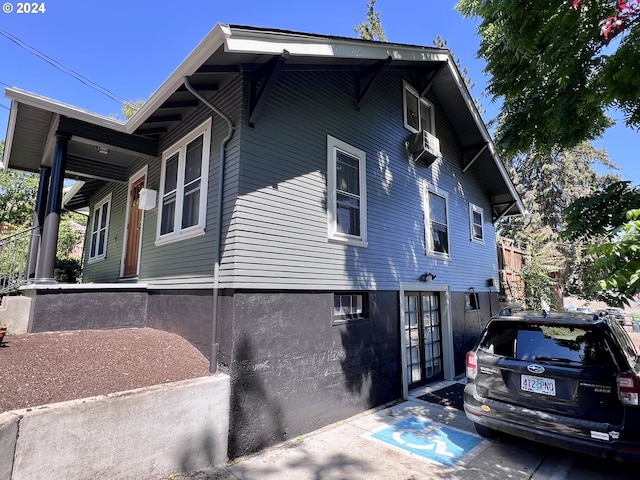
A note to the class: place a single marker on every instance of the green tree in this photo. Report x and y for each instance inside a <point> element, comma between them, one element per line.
<point>547,185</point>
<point>372,28</point>
<point>18,192</point>
<point>608,223</point>
<point>129,109</point>
<point>554,70</point>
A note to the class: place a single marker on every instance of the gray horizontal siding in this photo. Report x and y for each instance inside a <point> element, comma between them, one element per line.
<point>279,228</point>
<point>192,260</point>
<point>274,212</point>
<point>108,269</point>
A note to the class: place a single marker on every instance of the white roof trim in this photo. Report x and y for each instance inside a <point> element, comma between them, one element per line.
<point>471,105</point>
<point>54,106</point>
<point>70,193</point>
<point>273,43</point>
<point>11,127</point>
<point>214,39</point>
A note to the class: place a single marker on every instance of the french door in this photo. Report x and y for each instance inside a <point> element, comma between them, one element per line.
<point>423,338</point>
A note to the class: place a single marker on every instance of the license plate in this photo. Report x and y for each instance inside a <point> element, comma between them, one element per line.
<point>545,386</point>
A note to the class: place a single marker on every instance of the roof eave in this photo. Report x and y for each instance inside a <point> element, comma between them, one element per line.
<point>216,37</point>
<point>11,127</point>
<point>471,106</point>
<point>22,96</point>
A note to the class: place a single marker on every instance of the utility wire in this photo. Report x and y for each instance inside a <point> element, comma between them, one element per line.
<point>6,85</point>
<point>63,68</point>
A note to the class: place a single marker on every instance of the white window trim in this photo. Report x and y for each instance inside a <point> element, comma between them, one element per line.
<point>474,208</point>
<point>406,86</point>
<point>180,148</point>
<point>427,222</point>
<point>334,145</point>
<point>97,207</point>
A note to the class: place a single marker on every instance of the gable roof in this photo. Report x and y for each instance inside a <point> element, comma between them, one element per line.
<point>219,58</point>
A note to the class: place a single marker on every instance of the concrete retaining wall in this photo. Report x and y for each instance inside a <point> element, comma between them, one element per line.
<point>15,312</point>
<point>135,434</point>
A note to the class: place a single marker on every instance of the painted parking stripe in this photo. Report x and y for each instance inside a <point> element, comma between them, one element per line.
<point>427,439</point>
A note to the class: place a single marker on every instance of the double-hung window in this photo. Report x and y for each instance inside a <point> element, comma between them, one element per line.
<point>437,223</point>
<point>346,192</point>
<point>476,223</point>
<point>418,111</point>
<point>183,186</point>
<point>100,229</point>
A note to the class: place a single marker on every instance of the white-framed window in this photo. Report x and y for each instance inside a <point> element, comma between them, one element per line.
<point>183,187</point>
<point>350,307</point>
<point>346,192</point>
<point>476,223</point>
<point>100,229</point>
<point>419,113</point>
<point>437,222</point>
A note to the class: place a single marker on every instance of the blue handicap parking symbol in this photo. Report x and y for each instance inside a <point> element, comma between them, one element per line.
<point>428,440</point>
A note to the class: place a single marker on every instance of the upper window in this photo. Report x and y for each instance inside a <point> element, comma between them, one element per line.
<point>418,112</point>
<point>100,229</point>
<point>183,184</point>
<point>437,223</point>
<point>346,192</point>
<point>476,223</point>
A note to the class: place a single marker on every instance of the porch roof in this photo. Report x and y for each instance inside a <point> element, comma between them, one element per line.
<point>221,56</point>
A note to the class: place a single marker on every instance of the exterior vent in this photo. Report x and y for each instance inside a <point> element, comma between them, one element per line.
<point>424,146</point>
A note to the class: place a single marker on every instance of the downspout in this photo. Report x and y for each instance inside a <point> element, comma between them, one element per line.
<point>213,363</point>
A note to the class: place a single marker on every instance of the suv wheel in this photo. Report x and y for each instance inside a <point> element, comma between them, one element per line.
<point>485,432</point>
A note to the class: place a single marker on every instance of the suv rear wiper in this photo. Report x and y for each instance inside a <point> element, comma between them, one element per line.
<point>553,359</point>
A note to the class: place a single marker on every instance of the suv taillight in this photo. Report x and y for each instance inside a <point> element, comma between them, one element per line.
<point>472,365</point>
<point>628,388</point>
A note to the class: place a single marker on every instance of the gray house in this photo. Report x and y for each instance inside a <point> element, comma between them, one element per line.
<point>315,214</point>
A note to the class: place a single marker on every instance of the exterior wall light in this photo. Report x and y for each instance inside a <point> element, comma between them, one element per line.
<point>427,277</point>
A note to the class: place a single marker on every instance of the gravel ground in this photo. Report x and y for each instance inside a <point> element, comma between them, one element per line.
<point>37,369</point>
<point>43,368</point>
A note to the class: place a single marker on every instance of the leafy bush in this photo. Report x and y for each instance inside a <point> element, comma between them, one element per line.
<point>68,270</point>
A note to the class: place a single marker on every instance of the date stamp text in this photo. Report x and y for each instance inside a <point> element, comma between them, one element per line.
<point>24,7</point>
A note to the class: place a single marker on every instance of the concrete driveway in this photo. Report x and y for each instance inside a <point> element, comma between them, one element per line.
<point>410,441</point>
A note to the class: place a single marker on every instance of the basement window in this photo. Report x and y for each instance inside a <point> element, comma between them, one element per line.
<point>349,307</point>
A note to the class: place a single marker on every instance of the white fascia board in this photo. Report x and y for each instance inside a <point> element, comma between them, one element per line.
<point>71,192</point>
<point>214,39</point>
<point>47,104</point>
<point>11,127</point>
<point>243,41</point>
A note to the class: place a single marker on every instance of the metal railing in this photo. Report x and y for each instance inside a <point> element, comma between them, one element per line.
<point>14,250</point>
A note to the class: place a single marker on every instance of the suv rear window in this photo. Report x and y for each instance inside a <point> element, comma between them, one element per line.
<point>544,342</point>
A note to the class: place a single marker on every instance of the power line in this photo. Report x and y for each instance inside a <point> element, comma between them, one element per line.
<point>63,68</point>
<point>6,85</point>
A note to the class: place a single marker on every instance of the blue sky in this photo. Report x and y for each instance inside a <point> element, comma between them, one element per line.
<point>130,47</point>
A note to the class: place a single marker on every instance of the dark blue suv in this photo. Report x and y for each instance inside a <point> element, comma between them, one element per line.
<point>569,380</point>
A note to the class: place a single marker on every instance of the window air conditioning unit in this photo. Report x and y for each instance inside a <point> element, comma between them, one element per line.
<point>424,146</point>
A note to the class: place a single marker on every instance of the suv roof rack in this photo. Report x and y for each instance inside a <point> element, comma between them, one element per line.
<point>543,314</point>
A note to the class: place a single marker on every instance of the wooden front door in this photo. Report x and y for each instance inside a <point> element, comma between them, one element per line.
<point>134,227</point>
<point>423,338</point>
